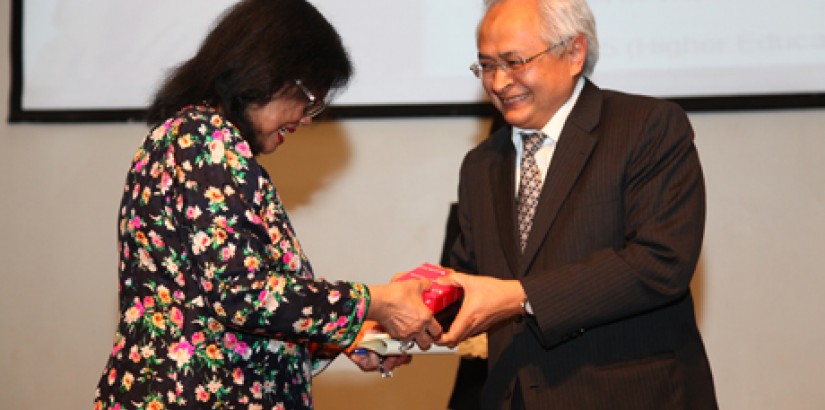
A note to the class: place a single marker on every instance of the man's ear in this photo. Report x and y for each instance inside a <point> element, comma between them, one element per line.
<point>577,53</point>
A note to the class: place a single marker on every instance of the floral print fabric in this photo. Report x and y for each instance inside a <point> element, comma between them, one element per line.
<point>219,308</point>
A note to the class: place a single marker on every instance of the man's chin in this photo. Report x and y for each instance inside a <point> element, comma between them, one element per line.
<point>516,118</point>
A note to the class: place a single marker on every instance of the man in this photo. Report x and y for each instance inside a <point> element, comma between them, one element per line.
<point>592,310</point>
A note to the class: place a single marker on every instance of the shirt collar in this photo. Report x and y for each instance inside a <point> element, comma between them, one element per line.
<point>553,128</point>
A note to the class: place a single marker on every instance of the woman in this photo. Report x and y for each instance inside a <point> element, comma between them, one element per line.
<point>219,305</point>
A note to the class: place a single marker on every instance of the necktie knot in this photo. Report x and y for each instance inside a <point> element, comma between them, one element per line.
<point>532,142</point>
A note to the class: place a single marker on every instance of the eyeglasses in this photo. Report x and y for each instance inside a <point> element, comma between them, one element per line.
<point>487,68</point>
<point>314,105</point>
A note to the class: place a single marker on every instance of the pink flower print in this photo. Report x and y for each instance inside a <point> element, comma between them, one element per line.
<point>242,349</point>
<point>157,240</point>
<point>139,306</point>
<point>237,376</point>
<point>112,376</point>
<point>165,182</point>
<point>121,341</point>
<point>227,252</point>
<point>257,390</point>
<point>201,394</point>
<point>230,340</point>
<point>220,221</point>
<point>243,149</point>
<point>141,163</point>
<point>181,352</point>
<point>176,316</point>
<point>362,308</point>
<point>193,212</point>
<point>136,223</point>
<point>329,327</point>
<point>198,338</point>
<point>134,354</point>
<point>253,217</point>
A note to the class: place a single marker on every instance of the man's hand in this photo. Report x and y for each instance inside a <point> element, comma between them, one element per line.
<point>487,300</point>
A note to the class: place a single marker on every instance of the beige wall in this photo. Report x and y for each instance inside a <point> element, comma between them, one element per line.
<point>369,198</point>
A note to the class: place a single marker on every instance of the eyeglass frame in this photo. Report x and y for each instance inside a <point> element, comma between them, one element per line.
<point>314,105</point>
<point>514,65</point>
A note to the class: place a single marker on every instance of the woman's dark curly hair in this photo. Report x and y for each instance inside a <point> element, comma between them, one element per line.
<point>256,49</point>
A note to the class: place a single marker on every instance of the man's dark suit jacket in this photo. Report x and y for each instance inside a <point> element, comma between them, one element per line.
<point>607,266</point>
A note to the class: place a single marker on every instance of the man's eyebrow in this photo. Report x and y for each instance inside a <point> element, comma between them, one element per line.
<point>500,55</point>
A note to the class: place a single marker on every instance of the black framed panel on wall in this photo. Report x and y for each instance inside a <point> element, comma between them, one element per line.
<point>100,61</point>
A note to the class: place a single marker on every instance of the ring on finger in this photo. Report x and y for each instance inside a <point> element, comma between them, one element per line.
<point>384,373</point>
<point>407,346</point>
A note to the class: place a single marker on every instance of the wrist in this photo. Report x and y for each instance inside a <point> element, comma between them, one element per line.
<point>377,299</point>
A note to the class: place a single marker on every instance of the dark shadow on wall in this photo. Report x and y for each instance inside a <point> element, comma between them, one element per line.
<point>305,163</point>
<point>697,288</point>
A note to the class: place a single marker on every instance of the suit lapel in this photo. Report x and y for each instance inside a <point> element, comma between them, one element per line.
<point>573,149</point>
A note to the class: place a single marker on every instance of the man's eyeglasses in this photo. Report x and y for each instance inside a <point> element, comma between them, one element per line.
<point>314,105</point>
<point>487,68</point>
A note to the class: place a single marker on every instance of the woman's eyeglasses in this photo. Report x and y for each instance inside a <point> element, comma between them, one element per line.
<point>314,105</point>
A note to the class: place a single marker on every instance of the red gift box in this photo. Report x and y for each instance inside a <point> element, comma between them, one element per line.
<point>437,297</point>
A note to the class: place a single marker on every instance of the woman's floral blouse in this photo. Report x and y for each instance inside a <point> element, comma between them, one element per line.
<point>218,305</point>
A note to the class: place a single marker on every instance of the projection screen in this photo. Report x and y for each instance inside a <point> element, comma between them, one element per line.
<point>96,60</point>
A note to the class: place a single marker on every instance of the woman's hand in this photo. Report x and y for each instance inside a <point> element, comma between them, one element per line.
<point>370,361</point>
<point>399,308</point>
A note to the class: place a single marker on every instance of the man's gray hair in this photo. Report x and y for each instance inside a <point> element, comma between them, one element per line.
<point>563,19</point>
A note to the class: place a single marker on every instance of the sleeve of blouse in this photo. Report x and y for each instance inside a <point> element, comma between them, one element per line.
<point>248,263</point>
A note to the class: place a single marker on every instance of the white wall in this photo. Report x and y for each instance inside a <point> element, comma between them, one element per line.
<point>369,198</point>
